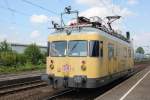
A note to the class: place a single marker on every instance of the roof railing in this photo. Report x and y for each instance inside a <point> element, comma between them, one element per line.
<point>95,22</point>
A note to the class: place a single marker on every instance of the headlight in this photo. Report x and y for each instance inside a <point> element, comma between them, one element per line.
<point>51,66</point>
<point>83,66</point>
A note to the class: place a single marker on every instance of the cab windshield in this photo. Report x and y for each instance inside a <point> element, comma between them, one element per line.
<point>58,48</point>
<point>77,48</point>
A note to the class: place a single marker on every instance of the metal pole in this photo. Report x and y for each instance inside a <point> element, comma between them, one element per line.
<point>61,20</point>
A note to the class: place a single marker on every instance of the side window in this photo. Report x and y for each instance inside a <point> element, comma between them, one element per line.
<point>129,52</point>
<point>117,51</point>
<point>110,51</point>
<point>94,48</point>
<point>101,48</point>
<point>125,52</point>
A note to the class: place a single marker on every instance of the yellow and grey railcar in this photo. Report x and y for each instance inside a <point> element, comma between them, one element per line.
<point>86,54</point>
<point>87,59</point>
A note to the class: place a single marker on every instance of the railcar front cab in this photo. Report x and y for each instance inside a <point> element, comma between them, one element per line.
<point>77,52</point>
<point>69,62</point>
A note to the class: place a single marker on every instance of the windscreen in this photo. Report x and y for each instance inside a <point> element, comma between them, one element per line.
<point>58,48</point>
<point>77,48</point>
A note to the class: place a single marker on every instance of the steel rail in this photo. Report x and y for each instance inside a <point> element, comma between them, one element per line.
<point>21,87</point>
<point>60,93</point>
<point>18,84</point>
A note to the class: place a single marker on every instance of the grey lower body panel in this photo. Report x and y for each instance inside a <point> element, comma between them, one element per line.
<point>84,82</point>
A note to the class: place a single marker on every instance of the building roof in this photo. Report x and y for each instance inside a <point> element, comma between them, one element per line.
<point>25,45</point>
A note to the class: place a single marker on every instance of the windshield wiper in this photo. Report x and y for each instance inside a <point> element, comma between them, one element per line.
<point>75,45</point>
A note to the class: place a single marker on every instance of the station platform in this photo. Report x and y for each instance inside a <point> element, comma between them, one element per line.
<point>20,74</point>
<point>136,87</point>
<point>20,78</point>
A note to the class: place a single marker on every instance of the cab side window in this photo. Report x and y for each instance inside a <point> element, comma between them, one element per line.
<point>94,49</point>
<point>101,48</point>
<point>48,49</point>
<point>110,51</point>
<point>125,52</point>
<point>129,53</point>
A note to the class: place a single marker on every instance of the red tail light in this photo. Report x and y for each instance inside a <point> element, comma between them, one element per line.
<point>83,62</point>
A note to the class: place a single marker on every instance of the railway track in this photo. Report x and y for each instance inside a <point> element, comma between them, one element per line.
<point>12,86</point>
<point>39,90</point>
<point>5,75</point>
<point>83,94</point>
<point>59,93</point>
<point>8,89</point>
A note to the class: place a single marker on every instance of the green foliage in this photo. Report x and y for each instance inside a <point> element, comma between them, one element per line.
<point>140,50</point>
<point>8,58</point>
<point>33,54</point>
<point>4,46</point>
<point>11,61</point>
<point>21,59</point>
<point>43,57</point>
<point>26,67</point>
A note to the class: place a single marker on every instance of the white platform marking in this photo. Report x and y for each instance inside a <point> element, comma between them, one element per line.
<point>124,96</point>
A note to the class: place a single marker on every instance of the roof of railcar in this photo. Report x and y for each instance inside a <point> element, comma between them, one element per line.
<point>90,30</point>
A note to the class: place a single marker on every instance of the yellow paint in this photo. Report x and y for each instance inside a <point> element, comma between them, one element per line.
<point>95,67</point>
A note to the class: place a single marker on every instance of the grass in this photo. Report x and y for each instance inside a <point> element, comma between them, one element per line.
<point>17,69</point>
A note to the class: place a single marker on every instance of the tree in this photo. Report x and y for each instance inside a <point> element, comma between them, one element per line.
<point>140,50</point>
<point>33,54</point>
<point>21,59</point>
<point>43,58</point>
<point>6,55</point>
<point>4,46</point>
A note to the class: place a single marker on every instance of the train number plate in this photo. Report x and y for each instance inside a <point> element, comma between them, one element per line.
<point>66,68</point>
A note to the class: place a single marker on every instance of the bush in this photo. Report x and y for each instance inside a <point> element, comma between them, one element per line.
<point>33,54</point>
<point>8,58</point>
<point>43,57</point>
<point>21,59</point>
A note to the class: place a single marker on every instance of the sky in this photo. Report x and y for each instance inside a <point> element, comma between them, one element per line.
<point>28,21</point>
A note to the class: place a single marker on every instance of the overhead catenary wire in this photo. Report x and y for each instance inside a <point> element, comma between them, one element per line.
<point>39,6</point>
<point>14,10</point>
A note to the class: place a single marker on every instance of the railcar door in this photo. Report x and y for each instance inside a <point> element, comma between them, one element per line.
<point>125,58</point>
<point>110,58</point>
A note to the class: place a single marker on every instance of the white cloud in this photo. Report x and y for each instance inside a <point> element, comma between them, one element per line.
<point>132,2</point>
<point>11,38</point>
<point>103,8</point>
<point>12,28</point>
<point>35,37</point>
<point>35,34</point>
<point>16,37</point>
<point>38,19</point>
<point>93,2</point>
